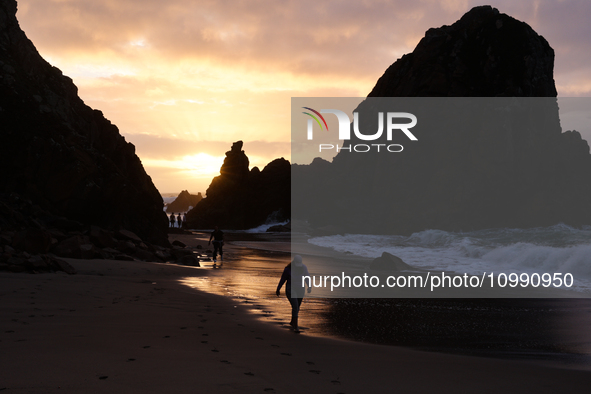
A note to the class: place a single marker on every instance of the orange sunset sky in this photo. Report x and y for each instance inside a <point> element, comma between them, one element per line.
<point>183,79</point>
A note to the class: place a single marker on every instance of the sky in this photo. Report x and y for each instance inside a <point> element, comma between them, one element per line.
<point>184,79</point>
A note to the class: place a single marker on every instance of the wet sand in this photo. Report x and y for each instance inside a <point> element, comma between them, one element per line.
<point>134,327</point>
<point>551,331</point>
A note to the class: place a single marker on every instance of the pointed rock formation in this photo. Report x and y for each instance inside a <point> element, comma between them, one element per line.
<point>240,198</point>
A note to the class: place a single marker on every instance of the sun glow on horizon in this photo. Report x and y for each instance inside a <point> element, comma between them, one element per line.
<point>199,165</point>
<point>197,74</point>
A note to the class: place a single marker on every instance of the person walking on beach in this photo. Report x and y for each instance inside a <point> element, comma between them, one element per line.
<point>179,220</point>
<point>172,220</point>
<point>184,219</point>
<point>295,288</point>
<point>218,242</point>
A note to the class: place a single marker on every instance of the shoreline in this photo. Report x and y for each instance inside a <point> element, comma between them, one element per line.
<point>133,327</point>
<point>541,330</point>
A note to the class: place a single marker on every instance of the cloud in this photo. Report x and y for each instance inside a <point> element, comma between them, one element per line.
<point>218,71</point>
<point>303,37</point>
<point>330,39</point>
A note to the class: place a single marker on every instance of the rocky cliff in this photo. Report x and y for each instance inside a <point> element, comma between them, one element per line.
<point>63,165</point>
<point>507,165</point>
<point>240,198</point>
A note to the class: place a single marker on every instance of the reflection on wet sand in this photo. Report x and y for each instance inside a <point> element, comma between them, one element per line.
<point>546,330</point>
<point>250,276</point>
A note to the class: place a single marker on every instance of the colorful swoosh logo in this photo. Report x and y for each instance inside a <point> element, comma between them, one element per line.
<point>315,118</point>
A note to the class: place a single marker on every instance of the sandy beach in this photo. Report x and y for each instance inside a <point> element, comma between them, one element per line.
<point>134,327</point>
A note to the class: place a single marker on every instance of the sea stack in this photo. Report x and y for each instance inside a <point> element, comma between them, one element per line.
<point>484,54</point>
<point>240,198</point>
<point>184,202</point>
<point>497,169</point>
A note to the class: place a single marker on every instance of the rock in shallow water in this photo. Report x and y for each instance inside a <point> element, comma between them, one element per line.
<point>389,262</point>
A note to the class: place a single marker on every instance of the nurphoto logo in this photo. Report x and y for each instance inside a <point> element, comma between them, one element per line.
<point>345,129</point>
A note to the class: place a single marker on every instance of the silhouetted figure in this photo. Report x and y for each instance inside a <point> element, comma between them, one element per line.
<point>184,219</point>
<point>218,242</point>
<point>293,274</point>
<point>172,220</point>
<point>179,220</point>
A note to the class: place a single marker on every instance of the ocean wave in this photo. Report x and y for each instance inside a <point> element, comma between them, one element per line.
<point>264,227</point>
<point>558,248</point>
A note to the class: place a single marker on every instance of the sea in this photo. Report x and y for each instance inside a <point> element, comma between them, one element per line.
<point>543,330</point>
<point>557,249</point>
<point>548,331</point>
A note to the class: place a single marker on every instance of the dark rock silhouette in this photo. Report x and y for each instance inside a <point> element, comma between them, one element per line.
<point>243,199</point>
<point>61,160</point>
<point>484,54</point>
<point>70,185</point>
<point>389,262</point>
<point>495,171</point>
<point>183,202</point>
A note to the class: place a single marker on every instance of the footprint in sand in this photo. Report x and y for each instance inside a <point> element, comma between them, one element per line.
<point>215,350</point>
<point>286,354</point>
<point>166,336</point>
<point>259,338</point>
<point>131,359</point>
<point>335,382</point>
<point>310,363</point>
<point>204,341</point>
<point>147,347</point>
<point>249,373</point>
<point>225,362</point>
<point>275,346</point>
<point>270,390</point>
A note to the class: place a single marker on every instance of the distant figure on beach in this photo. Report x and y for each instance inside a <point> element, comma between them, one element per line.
<point>172,220</point>
<point>184,219</point>
<point>295,288</point>
<point>179,220</point>
<point>218,242</point>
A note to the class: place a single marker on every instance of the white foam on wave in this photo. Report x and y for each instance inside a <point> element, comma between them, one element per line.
<point>535,258</point>
<point>264,227</point>
<point>552,249</point>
